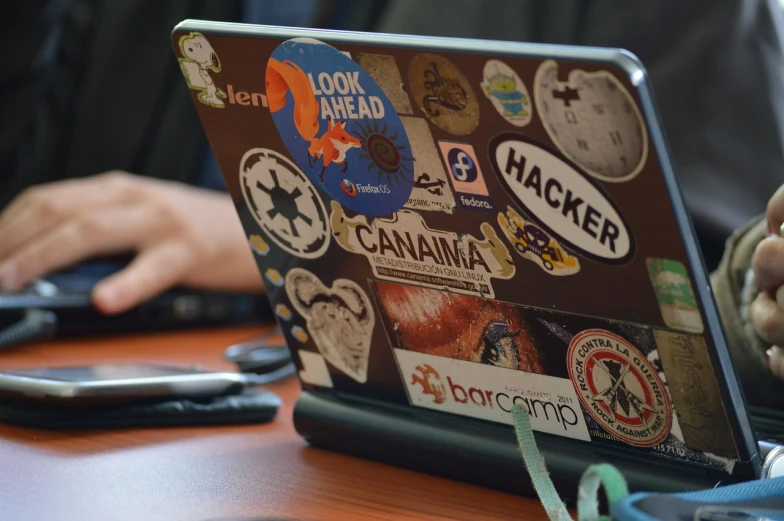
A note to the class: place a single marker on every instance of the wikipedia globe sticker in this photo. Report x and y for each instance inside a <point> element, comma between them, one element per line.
<point>339,127</point>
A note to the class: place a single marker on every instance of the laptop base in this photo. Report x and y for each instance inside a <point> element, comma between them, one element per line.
<point>472,452</point>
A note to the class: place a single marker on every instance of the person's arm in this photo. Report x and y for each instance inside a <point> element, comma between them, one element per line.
<point>748,287</point>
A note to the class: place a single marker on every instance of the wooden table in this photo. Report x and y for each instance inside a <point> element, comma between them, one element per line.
<point>232,473</point>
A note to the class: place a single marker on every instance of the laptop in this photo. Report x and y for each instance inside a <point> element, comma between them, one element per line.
<point>450,227</point>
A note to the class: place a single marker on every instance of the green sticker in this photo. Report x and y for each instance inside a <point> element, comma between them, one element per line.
<point>672,287</point>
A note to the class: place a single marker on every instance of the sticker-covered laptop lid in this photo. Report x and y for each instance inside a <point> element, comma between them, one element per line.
<point>463,232</point>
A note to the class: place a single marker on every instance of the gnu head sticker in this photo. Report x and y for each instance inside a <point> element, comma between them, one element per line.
<point>431,190</point>
<point>564,202</point>
<point>593,120</point>
<point>403,248</point>
<point>339,319</point>
<point>198,61</point>
<point>619,388</point>
<point>443,94</point>
<point>673,290</point>
<point>339,126</point>
<point>507,92</point>
<point>534,244</point>
<point>284,203</point>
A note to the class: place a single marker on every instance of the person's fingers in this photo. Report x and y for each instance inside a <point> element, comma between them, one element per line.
<point>768,263</point>
<point>42,207</point>
<point>775,211</point>
<point>776,361</point>
<point>151,272</point>
<point>104,231</point>
<point>767,319</point>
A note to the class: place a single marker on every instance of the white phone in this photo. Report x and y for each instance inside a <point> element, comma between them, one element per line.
<point>114,383</point>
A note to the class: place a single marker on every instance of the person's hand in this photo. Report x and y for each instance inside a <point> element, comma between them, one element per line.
<point>766,313</point>
<point>183,236</point>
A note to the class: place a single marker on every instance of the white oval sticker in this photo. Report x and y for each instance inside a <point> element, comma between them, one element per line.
<point>565,202</point>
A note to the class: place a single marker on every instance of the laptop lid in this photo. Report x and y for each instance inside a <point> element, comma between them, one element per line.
<point>460,225</point>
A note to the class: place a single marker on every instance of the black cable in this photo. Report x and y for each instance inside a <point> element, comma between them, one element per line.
<point>37,324</point>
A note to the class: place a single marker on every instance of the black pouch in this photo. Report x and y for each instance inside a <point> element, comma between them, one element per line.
<point>252,405</point>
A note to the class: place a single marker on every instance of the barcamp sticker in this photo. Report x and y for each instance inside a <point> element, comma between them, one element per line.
<point>619,388</point>
<point>507,92</point>
<point>443,94</point>
<point>593,120</point>
<point>284,204</point>
<point>568,206</point>
<point>403,248</point>
<point>339,126</point>
<point>339,319</point>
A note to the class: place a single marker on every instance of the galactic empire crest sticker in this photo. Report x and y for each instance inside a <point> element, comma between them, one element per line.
<point>403,249</point>
<point>619,388</point>
<point>339,126</point>
<point>284,203</point>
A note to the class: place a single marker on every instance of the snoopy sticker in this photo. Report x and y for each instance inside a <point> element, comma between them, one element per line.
<point>339,319</point>
<point>198,59</point>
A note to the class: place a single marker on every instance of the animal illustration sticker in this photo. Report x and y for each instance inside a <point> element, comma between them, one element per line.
<point>258,245</point>
<point>565,203</point>
<point>383,69</point>
<point>507,92</point>
<point>403,248</point>
<point>673,290</point>
<point>339,127</point>
<point>198,60</point>
<point>339,319</point>
<point>466,174</point>
<point>284,203</point>
<point>532,243</point>
<point>593,120</point>
<point>431,190</point>
<point>443,94</point>
<point>619,388</point>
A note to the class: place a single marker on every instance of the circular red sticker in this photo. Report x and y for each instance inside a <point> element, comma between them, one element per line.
<point>619,388</point>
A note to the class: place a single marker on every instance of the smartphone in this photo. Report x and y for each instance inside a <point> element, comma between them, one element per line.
<point>112,384</point>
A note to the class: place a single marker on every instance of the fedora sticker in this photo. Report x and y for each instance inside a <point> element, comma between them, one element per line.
<point>565,203</point>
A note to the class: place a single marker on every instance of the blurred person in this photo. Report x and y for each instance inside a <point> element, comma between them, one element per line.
<point>92,89</point>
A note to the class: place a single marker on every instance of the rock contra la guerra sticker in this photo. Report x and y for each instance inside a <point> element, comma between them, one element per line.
<point>339,126</point>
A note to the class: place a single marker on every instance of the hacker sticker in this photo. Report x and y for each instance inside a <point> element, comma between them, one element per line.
<point>593,120</point>
<point>431,190</point>
<point>443,94</point>
<point>403,248</point>
<point>339,319</point>
<point>384,71</point>
<point>695,392</point>
<point>566,203</point>
<point>466,175</point>
<point>532,243</point>
<point>284,203</point>
<point>339,126</point>
<point>507,92</point>
<point>259,245</point>
<point>199,60</point>
<point>619,388</point>
<point>674,292</point>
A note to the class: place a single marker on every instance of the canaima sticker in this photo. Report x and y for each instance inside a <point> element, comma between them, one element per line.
<point>402,248</point>
<point>566,203</point>
<point>339,126</point>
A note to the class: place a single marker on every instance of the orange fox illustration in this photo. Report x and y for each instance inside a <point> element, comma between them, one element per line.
<point>286,76</point>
